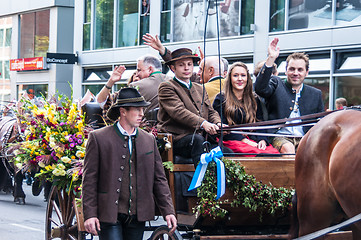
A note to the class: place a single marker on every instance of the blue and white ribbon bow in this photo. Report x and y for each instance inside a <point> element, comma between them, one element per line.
<point>198,176</point>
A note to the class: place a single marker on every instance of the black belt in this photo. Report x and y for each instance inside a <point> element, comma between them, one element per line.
<point>126,219</point>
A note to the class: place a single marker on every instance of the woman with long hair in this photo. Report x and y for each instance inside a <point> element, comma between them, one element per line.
<point>240,106</point>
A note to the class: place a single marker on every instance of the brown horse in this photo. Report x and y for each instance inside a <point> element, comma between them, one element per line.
<point>328,173</point>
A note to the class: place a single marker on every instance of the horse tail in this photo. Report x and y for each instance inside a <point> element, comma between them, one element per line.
<point>293,233</point>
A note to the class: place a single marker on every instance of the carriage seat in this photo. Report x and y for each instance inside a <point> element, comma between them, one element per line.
<point>152,114</point>
<point>182,180</point>
<point>93,114</point>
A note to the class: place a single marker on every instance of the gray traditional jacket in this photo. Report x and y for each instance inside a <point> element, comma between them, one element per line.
<point>148,88</point>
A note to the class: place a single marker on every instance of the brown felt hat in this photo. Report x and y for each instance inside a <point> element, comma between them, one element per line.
<point>127,97</point>
<point>182,53</point>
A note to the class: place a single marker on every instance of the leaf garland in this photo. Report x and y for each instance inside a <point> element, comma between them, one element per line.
<point>248,192</point>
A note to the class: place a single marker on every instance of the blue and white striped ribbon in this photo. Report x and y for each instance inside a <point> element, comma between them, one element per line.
<point>214,155</point>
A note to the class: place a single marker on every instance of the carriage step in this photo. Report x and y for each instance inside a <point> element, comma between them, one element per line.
<point>239,237</point>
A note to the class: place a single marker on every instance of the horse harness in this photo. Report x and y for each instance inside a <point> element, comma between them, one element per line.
<point>8,126</point>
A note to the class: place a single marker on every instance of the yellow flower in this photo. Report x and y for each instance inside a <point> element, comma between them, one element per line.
<point>47,168</point>
<point>65,160</point>
<point>75,176</point>
<point>79,154</point>
<point>59,172</point>
<point>41,164</point>
<point>60,166</point>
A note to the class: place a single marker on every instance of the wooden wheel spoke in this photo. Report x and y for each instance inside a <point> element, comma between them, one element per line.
<point>61,216</point>
<point>70,217</point>
<point>72,237</point>
<point>70,209</point>
<point>53,221</point>
<point>58,212</point>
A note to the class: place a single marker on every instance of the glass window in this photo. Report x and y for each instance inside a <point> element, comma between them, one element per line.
<point>32,90</point>
<point>94,89</point>
<point>348,12</point>
<point>348,61</point>
<point>349,87</point>
<point>318,64</point>
<point>104,21</point>
<point>8,37</point>
<point>87,25</point>
<point>277,15</point>
<point>247,16</point>
<point>127,23</point>
<point>34,34</point>
<point>165,22</point>
<point>1,69</point>
<point>309,14</point>
<point>2,37</point>
<point>144,18</point>
<point>235,18</point>
<point>323,84</point>
<point>351,63</point>
<point>94,79</point>
<point>97,74</point>
<point>230,18</point>
<point>7,69</point>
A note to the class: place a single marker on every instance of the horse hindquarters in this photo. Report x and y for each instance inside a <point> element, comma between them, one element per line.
<point>345,177</point>
<point>316,203</point>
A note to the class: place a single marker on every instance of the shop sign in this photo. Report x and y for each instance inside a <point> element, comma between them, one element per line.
<point>61,58</point>
<point>27,64</point>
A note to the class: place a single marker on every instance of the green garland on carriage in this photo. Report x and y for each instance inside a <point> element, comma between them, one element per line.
<point>245,190</point>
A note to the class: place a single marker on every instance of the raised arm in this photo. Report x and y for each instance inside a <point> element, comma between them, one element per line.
<point>273,52</point>
<point>115,77</point>
<point>265,84</point>
<point>154,43</point>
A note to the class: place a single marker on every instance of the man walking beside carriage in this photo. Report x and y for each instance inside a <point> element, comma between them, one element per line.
<point>123,174</point>
<point>288,99</point>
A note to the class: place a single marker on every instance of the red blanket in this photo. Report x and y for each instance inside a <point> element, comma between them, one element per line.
<point>241,147</point>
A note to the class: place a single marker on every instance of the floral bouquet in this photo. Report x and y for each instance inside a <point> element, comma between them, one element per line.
<point>54,144</point>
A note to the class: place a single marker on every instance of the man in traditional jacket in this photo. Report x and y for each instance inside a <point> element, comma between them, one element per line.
<point>149,70</point>
<point>288,98</point>
<point>184,107</point>
<point>123,175</point>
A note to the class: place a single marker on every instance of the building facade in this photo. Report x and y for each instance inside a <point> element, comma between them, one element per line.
<point>109,32</point>
<point>28,31</point>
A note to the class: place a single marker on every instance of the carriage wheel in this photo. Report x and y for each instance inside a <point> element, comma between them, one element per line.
<point>162,233</point>
<point>60,216</point>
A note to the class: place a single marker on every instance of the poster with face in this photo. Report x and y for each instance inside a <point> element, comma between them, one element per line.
<point>190,18</point>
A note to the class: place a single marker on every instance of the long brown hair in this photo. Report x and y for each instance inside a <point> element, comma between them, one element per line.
<point>247,103</point>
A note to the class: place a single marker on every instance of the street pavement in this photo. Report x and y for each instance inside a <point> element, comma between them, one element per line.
<point>28,221</point>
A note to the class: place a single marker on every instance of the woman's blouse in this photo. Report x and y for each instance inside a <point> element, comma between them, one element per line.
<point>239,119</point>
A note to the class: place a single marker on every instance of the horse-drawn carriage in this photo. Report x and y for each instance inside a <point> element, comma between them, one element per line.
<point>64,217</point>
